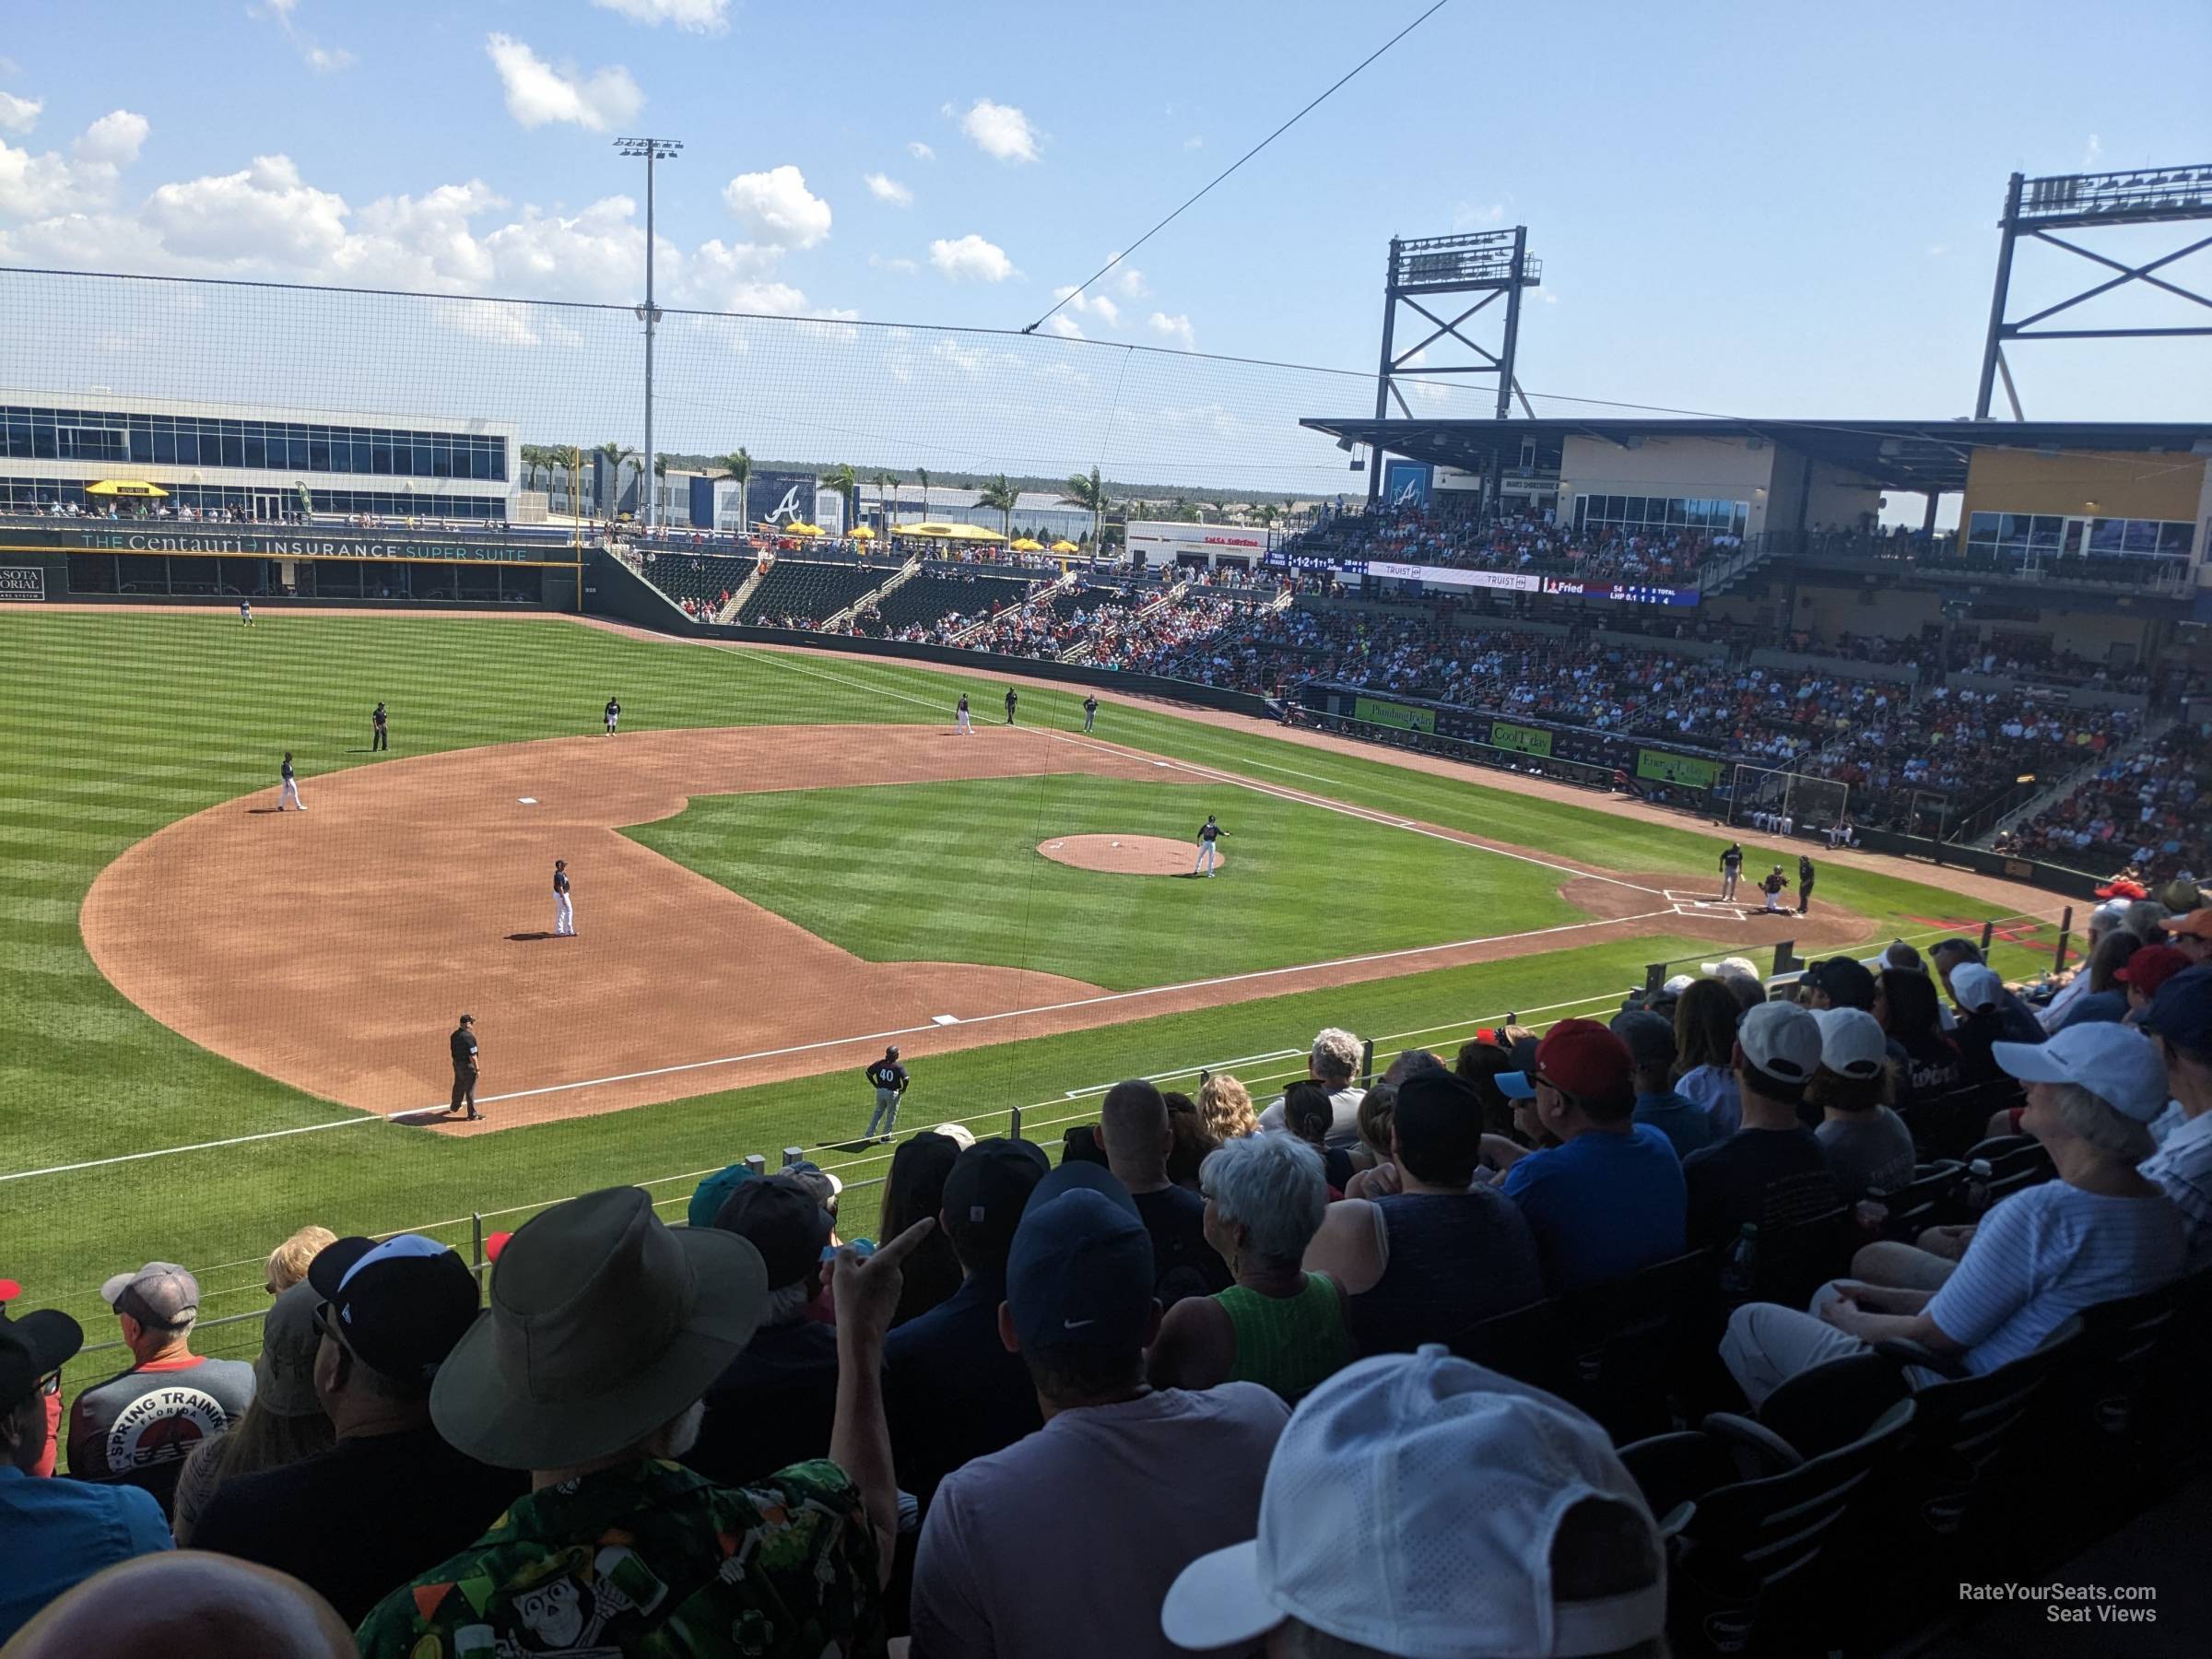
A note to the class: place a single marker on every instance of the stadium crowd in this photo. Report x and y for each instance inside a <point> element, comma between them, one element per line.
<point>2137,816</point>
<point>1052,1411</point>
<point>1446,534</point>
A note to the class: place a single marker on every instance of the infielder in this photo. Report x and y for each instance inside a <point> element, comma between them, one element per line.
<point>463,1043</point>
<point>1011,700</point>
<point>890,1080</point>
<point>1090,712</point>
<point>959,718</point>
<point>1209,833</point>
<point>564,913</point>
<point>1771,886</point>
<point>379,738</point>
<point>290,790</point>
<point>614,712</point>
<point>1732,867</point>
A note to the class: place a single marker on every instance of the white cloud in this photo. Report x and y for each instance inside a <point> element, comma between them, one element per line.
<point>265,206</point>
<point>970,259</point>
<point>777,207</point>
<point>19,115</point>
<point>920,151</point>
<point>1132,283</point>
<point>904,267</point>
<point>695,17</point>
<point>1094,305</point>
<point>326,61</point>
<point>1475,216</point>
<point>2093,151</point>
<point>1000,131</point>
<point>1176,327</point>
<point>1065,327</point>
<point>1193,142</point>
<point>114,138</point>
<point>323,61</point>
<point>886,189</point>
<point>538,92</point>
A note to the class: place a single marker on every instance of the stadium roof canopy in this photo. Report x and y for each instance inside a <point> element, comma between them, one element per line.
<point>1896,454</point>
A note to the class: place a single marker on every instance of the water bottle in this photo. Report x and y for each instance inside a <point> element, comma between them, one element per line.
<point>1739,1273</point>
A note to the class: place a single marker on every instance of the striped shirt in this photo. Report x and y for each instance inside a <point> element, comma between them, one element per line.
<point>2184,1167</point>
<point>1288,1343</point>
<point>2042,1256</point>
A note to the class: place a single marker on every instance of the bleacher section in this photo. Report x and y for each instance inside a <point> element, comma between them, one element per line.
<point>797,593</point>
<point>930,595</point>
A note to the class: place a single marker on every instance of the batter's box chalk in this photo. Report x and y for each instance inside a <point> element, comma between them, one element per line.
<point>943,1019</point>
<point>525,800</point>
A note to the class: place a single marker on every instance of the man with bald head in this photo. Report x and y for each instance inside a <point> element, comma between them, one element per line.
<point>187,1604</point>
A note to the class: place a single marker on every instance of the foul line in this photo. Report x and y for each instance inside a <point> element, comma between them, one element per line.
<point>236,1140</point>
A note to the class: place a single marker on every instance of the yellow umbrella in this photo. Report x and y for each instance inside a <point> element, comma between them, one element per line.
<point>1064,546</point>
<point>934,532</point>
<point>125,486</point>
<point>864,534</point>
<point>798,527</point>
<point>1026,544</point>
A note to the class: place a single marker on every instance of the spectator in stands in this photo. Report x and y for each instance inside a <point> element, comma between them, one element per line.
<point>139,1425</point>
<point>2015,1014</point>
<point>54,1533</point>
<point>1481,1063</point>
<point>390,1497</point>
<point>605,1330</point>
<point>1333,1062</point>
<point>1277,1326</point>
<point>2148,970</point>
<point>1226,1105</point>
<point>954,1391</point>
<point>1190,1141</point>
<point>1867,1146</point>
<point>1705,1019</point>
<point>1134,1134</point>
<point>1307,1115</point>
<point>1907,1008</point>
<point>41,1466</point>
<point>285,1422</point>
<point>2106,998</point>
<point>1986,1018</point>
<point>2104,921</point>
<point>775,1405</point>
<point>1839,982</point>
<point>1428,1252</point>
<point>1504,1524</point>
<point>1125,1483</point>
<point>288,1262</point>
<point>1771,1172</point>
<point>2192,935</point>
<point>1651,1043</point>
<point>1608,1199</point>
<point>2179,1021</point>
<point>915,1188</point>
<point>187,1606</point>
<point>2097,1233</point>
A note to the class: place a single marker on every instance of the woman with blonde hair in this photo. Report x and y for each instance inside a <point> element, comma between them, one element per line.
<point>288,1262</point>
<point>285,1423</point>
<point>1225,1104</point>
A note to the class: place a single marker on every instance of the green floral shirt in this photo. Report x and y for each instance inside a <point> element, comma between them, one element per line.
<point>651,1558</point>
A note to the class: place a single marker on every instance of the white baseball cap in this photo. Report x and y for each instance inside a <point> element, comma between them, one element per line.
<point>1976,985</point>
<point>1853,1043</point>
<point>1411,1506</point>
<point>1678,985</point>
<point>1782,1041</point>
<point>2116,1063</point>
<point>1734,966</point>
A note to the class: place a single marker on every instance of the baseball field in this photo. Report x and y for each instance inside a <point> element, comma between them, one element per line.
<point>218,1021</point>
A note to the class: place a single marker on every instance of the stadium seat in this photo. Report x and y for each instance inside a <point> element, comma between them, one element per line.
<point>1946,1125</point>
<point>2002,1165</point>
<point>1924,1201</point>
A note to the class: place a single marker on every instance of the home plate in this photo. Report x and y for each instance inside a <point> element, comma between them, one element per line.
<point>525,800</point>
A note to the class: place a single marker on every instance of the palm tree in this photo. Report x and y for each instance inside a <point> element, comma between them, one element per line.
<point>886,496</point>
<point>1089,492</point>
<point>998,494</point>
<point>739,465</point>
<point>614,453</point>
<point>532,456</point>
<point>921,477</point>
<point>846,482</point>
<point>1219,509</point>
<point>561,462</point>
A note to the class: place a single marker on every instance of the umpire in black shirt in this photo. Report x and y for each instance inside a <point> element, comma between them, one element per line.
<point>464,1044</point>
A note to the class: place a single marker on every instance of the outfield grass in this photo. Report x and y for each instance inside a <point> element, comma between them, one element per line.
<point>112,725</point>
<point>896,876</point>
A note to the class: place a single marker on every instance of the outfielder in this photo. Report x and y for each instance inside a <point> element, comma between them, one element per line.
<point>1090,711</point>
<point>614,712</point>
<point>463,1043</point>
<point>890,1080</point>
<point>564,913</point>
<point>290,790</point>
<point>379,737</point>
<point>245,612</point>
<point>1732,867</point>
<point>1209,833</point>
<point>959,718</point>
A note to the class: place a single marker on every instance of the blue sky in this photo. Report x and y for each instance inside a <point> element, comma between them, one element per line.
<point>1738,212</point>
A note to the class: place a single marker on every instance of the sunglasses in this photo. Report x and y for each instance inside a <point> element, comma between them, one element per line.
<point>51,1384</point>
<point>324,1324</point>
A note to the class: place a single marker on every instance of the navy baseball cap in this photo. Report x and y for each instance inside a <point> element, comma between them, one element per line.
<point>989,1188</point>
<point>1079,1275</point>
<point>400,1304</point>
<point>783,1218</point>
<point>2182,1011</point>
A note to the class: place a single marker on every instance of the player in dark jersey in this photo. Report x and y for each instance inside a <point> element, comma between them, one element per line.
<point>614,712</point>
<point>289,788</point>
<point>564,913</point>
<point>890,1080</point>
<point>463,1043</point>
<point>1209,833</point>
<point>1011,700</point>
<point>959,718</point>
<point>1804,884</point>
<point>379,738</point>
<point>1090,711</point>
<point>1732,867</point>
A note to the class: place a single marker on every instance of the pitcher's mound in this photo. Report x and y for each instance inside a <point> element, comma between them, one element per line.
<point>1127,855</point>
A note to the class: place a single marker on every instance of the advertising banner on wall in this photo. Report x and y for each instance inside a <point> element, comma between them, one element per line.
<point>1407,483</point>
<point>22,585</point>
<point>1375,711</point>
<point>1663,768</point>
<point>1164,541</point>
<point>1628,593</point>
<point>1527,739</point>
<point>779,498</point>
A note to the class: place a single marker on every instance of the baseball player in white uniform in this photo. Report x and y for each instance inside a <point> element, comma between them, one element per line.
<point>290,790</point>
<point>959,718</point>
<point>564,913</point>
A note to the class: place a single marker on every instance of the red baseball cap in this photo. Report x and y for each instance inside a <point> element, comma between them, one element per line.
<point>1578,1057</point>
<point>9,1290</point>
<point>2151,967</point>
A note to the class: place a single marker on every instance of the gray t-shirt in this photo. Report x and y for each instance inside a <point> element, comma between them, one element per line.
<point>1010,1561</point>
<point>1343,1130</point>
<point>139,1426</point>
<point>1869,1153</point>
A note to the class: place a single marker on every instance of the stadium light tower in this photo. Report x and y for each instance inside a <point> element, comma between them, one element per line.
<point>2035,207</point>
<point>651,149</point>
<point>1493,264</point>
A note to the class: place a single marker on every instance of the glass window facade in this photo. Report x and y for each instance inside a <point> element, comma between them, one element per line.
<point>125,439</point>
<point>2007,537</point>
<point>1680,513</point>
<point>269,503</point>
